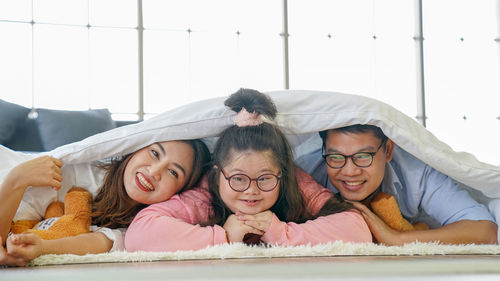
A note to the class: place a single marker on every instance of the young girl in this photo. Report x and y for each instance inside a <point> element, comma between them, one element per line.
<point>253,189</point>
<point>149,175</point>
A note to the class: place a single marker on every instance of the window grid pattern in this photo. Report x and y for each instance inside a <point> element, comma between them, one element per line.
<point>316,57</point>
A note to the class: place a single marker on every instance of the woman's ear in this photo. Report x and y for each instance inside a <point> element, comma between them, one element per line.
<point>215,167</point>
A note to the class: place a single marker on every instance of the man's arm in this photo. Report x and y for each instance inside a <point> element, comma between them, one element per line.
<point>460,232</point>
<point>425,190</point>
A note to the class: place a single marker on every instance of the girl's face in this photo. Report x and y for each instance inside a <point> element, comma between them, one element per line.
<point>253,200</point>
<point>158,171</point>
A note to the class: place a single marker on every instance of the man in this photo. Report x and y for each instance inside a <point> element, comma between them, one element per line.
<point>358,161</point>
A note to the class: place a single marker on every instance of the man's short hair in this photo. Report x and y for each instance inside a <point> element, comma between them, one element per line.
<point>356,129</point>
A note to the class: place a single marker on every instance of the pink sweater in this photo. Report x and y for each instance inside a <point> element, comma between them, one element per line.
<point>174,224</point>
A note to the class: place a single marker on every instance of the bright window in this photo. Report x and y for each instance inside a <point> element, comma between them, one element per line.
<point>354,47</point>
<point>463,75</point>
<point>197,49</point>
<point>60,66</point>
<point>15,62</point>
<point>82,54</point>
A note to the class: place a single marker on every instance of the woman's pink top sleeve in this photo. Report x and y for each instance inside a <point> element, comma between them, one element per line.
<point>174,224</point>
<point>348,226</point>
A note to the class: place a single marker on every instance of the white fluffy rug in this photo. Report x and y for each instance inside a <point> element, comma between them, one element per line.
<point>241,251</point>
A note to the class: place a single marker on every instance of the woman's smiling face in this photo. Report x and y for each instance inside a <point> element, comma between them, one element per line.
<point>157,172</point>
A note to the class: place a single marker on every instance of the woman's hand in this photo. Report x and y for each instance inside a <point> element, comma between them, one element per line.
<point>236,229</point>
<point>41,171</point>
<point>7,259</point>
<point>261,221</point>
<point>25,247</point>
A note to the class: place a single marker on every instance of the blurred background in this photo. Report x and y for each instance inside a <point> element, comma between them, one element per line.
<point>438,61</point>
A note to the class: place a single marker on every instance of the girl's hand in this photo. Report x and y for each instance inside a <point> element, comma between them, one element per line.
<point>25,247</point>
<point>236,229</point>
<point>382,233</point>
<point>7,259</point>
<point>41,171</point>
<point>261,221</point>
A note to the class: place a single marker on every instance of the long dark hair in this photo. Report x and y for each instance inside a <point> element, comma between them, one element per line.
<point>112,206</point>
<point>290,205</point>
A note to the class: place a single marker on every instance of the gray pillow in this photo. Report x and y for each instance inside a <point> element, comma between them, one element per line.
<point>11,115</point>
<point>59,127</point>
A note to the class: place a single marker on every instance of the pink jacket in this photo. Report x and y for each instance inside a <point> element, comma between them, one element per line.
<point>174,224</point>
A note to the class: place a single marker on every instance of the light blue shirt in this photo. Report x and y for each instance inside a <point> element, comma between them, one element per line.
<point>423,194</point>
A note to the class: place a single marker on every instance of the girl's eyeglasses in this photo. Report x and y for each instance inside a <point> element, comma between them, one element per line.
<point>241,182</point>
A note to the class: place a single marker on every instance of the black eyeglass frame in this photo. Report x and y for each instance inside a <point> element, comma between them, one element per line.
<point>372,154</point>
<point>278,178</point>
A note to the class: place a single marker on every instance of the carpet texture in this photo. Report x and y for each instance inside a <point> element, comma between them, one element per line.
<point>241,251</point>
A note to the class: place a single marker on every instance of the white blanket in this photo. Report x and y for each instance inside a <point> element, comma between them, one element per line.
<point>301,114</point>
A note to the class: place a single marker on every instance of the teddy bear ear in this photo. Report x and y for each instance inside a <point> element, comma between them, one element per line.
<point>386,207</point>
<point>78,201</point>
<point>55,209</point>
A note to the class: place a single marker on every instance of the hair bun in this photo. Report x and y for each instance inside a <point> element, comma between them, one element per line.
<point>253,101</point>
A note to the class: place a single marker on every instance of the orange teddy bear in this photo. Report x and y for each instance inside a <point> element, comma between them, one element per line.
<point>386,207</point>
<point>61,219</point>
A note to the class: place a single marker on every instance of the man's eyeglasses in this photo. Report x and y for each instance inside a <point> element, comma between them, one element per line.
<point>360,159</point>
<point>241,182</point>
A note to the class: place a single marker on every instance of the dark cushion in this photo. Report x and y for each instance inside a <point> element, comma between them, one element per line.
<point>59,127</point>
<point>11,115</point>
<point>26,137</point>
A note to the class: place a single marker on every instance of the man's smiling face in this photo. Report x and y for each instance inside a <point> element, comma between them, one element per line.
<point>353,182</point>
